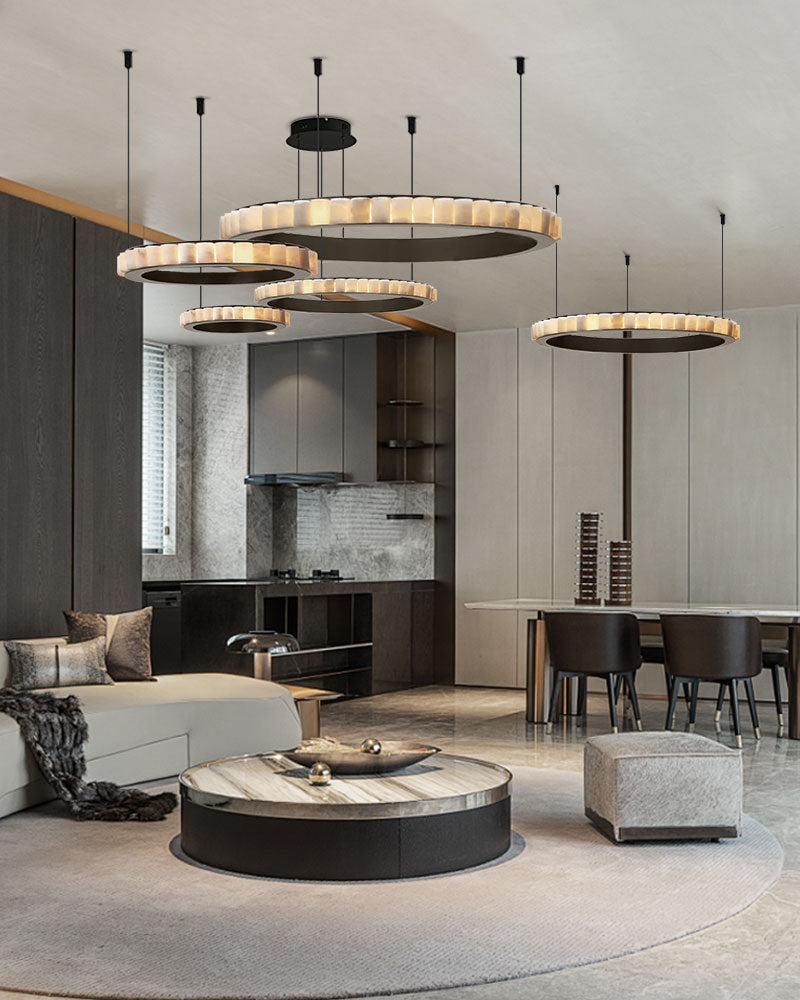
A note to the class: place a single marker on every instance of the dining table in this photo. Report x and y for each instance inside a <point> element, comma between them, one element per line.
<point>536,640</point>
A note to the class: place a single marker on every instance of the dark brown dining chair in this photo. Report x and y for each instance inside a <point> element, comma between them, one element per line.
<point>594,644</point>
<point>722,649</point>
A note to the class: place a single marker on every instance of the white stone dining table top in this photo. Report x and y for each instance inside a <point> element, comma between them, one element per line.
<point>783,613</point>
<point>270,784</point>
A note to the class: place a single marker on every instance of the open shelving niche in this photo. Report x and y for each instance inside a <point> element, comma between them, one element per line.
<point>335,636</point>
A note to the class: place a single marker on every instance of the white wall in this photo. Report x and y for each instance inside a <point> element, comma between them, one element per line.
<point>714,486</point>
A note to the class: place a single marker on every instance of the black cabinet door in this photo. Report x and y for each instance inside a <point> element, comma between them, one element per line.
<point>273,407</point>
<point>320,413</point>
<point>360,410</point>
<point>107,557</point>
<point>35,418</point>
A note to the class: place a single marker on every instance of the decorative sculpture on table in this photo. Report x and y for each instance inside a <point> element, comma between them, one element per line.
<point>620,585</point>
<point>587,584</point>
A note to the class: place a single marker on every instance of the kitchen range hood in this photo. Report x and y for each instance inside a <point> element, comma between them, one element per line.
<point>293,478</point>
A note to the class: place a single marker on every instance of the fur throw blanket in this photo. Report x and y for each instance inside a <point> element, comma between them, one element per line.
<point>55,731</point>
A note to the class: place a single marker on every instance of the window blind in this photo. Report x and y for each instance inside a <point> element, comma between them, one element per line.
<point>154,493</point>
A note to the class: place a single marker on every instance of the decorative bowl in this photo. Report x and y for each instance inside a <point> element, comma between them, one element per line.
<point>344,759</point>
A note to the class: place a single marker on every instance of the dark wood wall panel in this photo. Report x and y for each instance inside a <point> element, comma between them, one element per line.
<point>107,562</point>
<point>445,501</point>
<point>35,418</point>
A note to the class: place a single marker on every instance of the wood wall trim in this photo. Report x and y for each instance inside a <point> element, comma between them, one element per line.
<point>141,232</point>
<point>79,211</point>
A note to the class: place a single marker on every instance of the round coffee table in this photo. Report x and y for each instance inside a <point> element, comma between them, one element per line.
<point>260,816</point>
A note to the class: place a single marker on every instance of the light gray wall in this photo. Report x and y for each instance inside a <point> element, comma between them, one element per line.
<point>715,487</point>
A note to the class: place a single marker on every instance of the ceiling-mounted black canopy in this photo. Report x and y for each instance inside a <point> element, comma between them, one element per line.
<point>334,133</point>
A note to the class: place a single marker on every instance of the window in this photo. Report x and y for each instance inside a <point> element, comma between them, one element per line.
<point>155,521</point>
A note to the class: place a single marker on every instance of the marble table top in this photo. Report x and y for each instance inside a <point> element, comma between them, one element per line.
<point>272,785</point>
<point>780,613</point>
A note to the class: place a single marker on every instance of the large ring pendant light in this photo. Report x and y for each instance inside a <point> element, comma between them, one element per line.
<point>461,228</point>
<point>360,295</point>
<point>636,333</point>
<point>233,319</point>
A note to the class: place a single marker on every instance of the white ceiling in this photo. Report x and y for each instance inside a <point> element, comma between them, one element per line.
<point>651,115</point>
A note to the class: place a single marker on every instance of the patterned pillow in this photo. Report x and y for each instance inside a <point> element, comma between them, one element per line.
<point>127,638</point>
<point>41,665</point>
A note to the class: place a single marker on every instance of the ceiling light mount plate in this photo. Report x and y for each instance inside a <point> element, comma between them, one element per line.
<point>445,228</point>
<point>233,319</point>
<point>333,133</point>
<point>636,333</point>
<point>346,295</point>
<point>215,263</point>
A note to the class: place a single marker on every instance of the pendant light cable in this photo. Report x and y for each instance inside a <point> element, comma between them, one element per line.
<point>520,73</point>
<point>627,282</point>
<point>201,110</point>
<point>722,264</point>
<point>318,74</point>
<point>128,54</point>
<point>557,189</point>
<point>412,128</point>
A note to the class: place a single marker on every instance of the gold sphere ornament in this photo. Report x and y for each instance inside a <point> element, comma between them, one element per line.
<point>319,773</point>
<point>371,745</point>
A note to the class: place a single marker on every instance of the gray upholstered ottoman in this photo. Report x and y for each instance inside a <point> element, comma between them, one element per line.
<point>662,786</point>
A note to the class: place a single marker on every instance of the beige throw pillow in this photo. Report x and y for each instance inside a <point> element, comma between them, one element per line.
<point>41,665</point>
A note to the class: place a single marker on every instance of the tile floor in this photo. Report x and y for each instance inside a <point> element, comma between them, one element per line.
<point>753,955</point>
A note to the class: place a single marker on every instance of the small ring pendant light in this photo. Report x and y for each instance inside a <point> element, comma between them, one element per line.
<point>640,332</point>
<point>224,319</point>
<point>347,295</point>
<point>213,262</point>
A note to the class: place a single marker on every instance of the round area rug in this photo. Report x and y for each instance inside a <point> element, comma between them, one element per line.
<point>111,910</point>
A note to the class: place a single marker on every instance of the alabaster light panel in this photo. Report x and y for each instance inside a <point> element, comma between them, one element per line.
<point>234,319</point>
<point>243,262</point>
<point>609,324</point>
<point>371,293</point>
<point>532,225</point>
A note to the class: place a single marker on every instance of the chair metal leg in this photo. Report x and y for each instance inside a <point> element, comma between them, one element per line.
<point>776,687</point>
<point>687,694</point>
<point>630,680</point>
<point>581,706</point>
<point>737,726</point>
<point>558,679</point>
<point>693,705</point>
<point>751,701</point>
<point>673,697</point>
<point>617,686</point>
<point>720,703</point>
<point>612,703</point>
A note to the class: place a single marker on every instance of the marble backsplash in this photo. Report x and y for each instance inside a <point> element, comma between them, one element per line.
<point>346,528</point>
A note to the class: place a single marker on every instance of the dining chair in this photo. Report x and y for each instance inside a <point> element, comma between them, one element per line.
<point>722,649</point>
<point>594,644</point>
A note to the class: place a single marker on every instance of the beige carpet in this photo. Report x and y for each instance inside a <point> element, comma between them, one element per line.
<point>109,910</point>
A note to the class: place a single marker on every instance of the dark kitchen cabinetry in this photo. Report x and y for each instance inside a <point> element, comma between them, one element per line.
<point>356,638</point>
<point>273,407</point>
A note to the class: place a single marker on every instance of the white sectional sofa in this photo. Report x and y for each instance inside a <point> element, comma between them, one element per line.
<point>139,730</point>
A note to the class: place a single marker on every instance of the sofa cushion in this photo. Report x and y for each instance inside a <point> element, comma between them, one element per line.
<point>127,638</point>
<point>38,665</point>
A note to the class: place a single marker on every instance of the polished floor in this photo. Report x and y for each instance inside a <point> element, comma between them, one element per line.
<point>753,955</point>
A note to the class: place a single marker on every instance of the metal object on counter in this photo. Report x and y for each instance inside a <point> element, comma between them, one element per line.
<point>319,773</point>
<point>370,745</point>
<point>262,645</point>
<point>394,756</point>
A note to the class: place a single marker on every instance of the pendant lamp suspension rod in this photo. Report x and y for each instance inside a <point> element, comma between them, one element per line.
<point>722,264</point>
<point>557,189</point>
<point>128,54</point>
<point>521,72</point>
<point>627,282</point>
<point>200,104</point>
<point>318,74</point>
<point>412,129</point>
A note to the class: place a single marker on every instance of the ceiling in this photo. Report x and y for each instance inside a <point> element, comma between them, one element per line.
<point>652,116</point>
